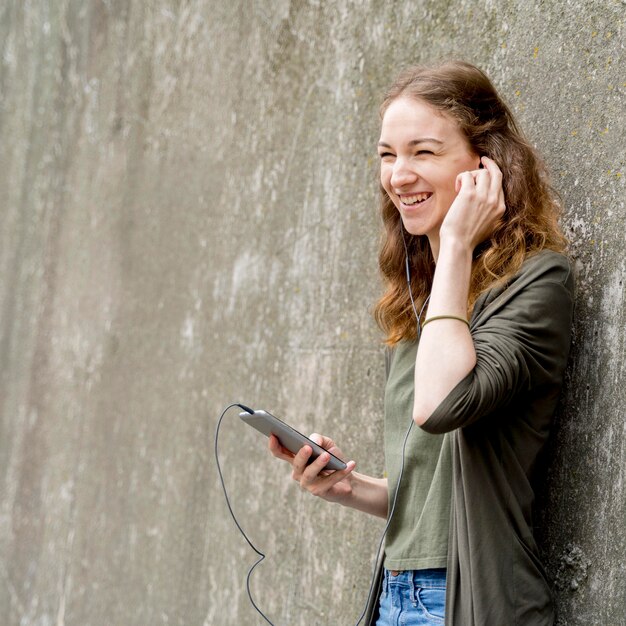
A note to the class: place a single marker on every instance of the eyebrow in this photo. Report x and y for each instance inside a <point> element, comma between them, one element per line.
<point>414,142</point>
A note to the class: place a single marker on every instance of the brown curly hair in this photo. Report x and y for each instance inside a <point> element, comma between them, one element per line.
<point>530,223</point>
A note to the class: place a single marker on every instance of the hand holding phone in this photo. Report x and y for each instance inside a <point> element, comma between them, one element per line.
<point>289,437</point>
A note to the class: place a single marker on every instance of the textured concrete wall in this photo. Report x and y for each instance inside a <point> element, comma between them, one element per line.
<point>188,218</point>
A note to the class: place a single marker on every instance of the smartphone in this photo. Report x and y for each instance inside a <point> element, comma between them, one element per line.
<point>289,437</point>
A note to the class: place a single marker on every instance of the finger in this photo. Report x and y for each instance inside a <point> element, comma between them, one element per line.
<point>482,179</point>
<point>489,163</point>
<point>327,482</point>
<point>324,442</point>
<point>338,475</point>
<point>318,439</point>
<point>313,470</point>
<point>495,190</point>
<point>501,202</point>
<point>275,444</point>
<point>300,460</point>
<point>463,181</point>
<point>496,173</point>
<point>277,450</point>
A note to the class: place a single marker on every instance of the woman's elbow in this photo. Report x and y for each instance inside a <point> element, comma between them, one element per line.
<point>421,413</point>
<point>419,419</point>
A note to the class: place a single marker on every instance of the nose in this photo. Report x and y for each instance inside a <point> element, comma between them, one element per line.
<point>402,174</point>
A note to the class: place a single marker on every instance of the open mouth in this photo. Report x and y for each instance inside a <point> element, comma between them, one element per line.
<point>416,199</point>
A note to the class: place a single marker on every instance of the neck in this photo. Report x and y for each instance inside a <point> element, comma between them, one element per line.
<point>433,240</point>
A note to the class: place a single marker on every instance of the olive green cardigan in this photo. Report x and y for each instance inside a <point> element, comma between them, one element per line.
<point>497,420</point>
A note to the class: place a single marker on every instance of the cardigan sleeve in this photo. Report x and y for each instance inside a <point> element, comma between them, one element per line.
<point>522,342</point>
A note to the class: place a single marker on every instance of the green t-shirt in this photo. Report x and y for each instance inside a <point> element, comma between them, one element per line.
<point>418,533</point>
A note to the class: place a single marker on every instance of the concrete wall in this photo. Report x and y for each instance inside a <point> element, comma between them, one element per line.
<point>188,218</point>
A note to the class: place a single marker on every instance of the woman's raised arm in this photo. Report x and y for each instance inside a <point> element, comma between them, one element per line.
<point>446,352</point>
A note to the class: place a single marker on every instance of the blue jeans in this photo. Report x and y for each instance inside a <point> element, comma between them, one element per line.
<point>413,598</point>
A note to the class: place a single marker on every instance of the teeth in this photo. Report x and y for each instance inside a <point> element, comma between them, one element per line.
<point>418,197</point>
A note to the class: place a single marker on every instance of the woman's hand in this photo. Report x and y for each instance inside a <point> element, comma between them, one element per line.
<point>334,486</point>
<point>478,207</point>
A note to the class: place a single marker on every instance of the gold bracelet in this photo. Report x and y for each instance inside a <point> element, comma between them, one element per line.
<point>445,317</point>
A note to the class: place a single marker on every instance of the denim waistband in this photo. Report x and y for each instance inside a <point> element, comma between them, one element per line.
<point>424,578</point>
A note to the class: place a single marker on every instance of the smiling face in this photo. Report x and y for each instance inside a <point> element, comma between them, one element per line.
<point>421,153</point>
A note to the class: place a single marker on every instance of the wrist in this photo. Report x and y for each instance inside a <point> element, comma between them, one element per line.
<point>368,494</point>
<point>451,281</point>
<point>455,246</point>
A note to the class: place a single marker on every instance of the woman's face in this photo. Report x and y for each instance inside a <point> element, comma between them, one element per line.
<point>421,153</point>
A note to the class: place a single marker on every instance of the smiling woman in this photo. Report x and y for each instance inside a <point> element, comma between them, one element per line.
<point>422,152</point>
<point>467,205</point>
<point>462,97</point>
<point>471,237</point>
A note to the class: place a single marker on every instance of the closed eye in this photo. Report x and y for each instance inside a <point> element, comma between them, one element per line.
<point>382,155</point>
<point>425,152</point>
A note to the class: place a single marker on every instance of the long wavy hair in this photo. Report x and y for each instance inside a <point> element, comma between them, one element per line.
<point>463,92</point>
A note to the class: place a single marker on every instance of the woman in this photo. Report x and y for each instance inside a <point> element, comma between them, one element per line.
<point>479,347</point>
